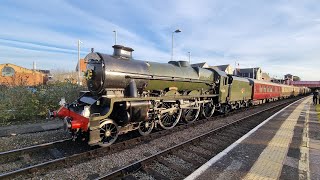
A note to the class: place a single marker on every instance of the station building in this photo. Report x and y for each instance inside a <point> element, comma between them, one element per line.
<point>14,75</point>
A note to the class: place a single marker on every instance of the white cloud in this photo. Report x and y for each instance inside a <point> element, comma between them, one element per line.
<point>281,37</point>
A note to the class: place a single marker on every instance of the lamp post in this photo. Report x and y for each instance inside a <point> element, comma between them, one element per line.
<point>235,68</point>
<point>253,73</point>
<point>115,37</point>
<point>176,31</point>
<point>79,66</point>
<point>189,57</point>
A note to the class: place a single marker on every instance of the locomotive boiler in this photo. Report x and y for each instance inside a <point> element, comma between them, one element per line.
<point>126,94</point>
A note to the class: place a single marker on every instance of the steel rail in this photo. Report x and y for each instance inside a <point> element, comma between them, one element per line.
<point>34,147</point>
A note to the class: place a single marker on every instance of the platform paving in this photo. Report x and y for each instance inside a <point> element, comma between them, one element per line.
<point>287,146</point>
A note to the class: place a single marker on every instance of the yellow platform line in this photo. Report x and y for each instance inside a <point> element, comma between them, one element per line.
<point>304,169</point>
<point>270,162</point>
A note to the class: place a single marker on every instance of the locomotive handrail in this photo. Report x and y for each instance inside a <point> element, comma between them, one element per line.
<point>155,77</point>
<point>175,97</point>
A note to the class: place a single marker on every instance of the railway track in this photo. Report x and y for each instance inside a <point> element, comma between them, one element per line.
<point>33,148</point>
<point>23,158</point>
<point>66,161</point>
<point>179,161</point>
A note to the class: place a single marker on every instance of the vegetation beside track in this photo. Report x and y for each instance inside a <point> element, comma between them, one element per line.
<point>22,104</point>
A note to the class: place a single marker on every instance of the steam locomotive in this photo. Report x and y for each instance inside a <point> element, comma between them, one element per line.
<point>126,94</point>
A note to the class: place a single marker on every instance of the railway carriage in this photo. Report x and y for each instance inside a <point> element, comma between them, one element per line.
<point>265,91</point>
<point>296,91</point>
<point>289,91</point>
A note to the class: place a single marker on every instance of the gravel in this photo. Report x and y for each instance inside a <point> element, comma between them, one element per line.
<point>142,176</point>
<point>108,163</point>
<point>25,140</point>
<point>207,145</point>
<point>192,156</point>
<point>200,150</point>
<point>164,170</point>
<point>175,160</point>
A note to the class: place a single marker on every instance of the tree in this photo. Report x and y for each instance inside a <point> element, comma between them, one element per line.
<point>60,75</point>
<point>296,78</point>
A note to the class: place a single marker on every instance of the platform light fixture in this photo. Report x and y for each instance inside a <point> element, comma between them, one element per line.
<point>79,66</point>
<point>115,37</point>
<point>176,31</point>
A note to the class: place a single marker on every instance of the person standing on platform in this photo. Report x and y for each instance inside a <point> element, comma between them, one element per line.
<point>315,97</point>
<point>319,96</point>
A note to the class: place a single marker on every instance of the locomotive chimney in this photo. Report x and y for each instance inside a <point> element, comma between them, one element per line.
<point>122,52</point>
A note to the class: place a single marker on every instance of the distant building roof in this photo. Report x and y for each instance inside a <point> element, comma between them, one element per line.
<point>202,65</point>
<point>221,67</point>
<point>305,82</point>
<point>247,70</point>
<point>266,77</point>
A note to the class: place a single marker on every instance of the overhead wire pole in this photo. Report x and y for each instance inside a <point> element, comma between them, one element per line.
<point>189,57</point>
<point>235,67</point>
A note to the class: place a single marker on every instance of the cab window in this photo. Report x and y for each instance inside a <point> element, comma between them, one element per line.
<point>225,82</point>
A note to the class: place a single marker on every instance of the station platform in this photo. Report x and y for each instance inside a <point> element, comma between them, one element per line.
<point>285,146</point>
<point>31,128</point>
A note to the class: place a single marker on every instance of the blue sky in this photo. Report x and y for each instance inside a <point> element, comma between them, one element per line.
<point>280,36</point>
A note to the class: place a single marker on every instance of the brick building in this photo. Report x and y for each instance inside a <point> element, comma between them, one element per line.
<point>13,75</point>
<point>83,65</point>
<point>255,73</point>
<point>265,77</point>
<point>225,68</point>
